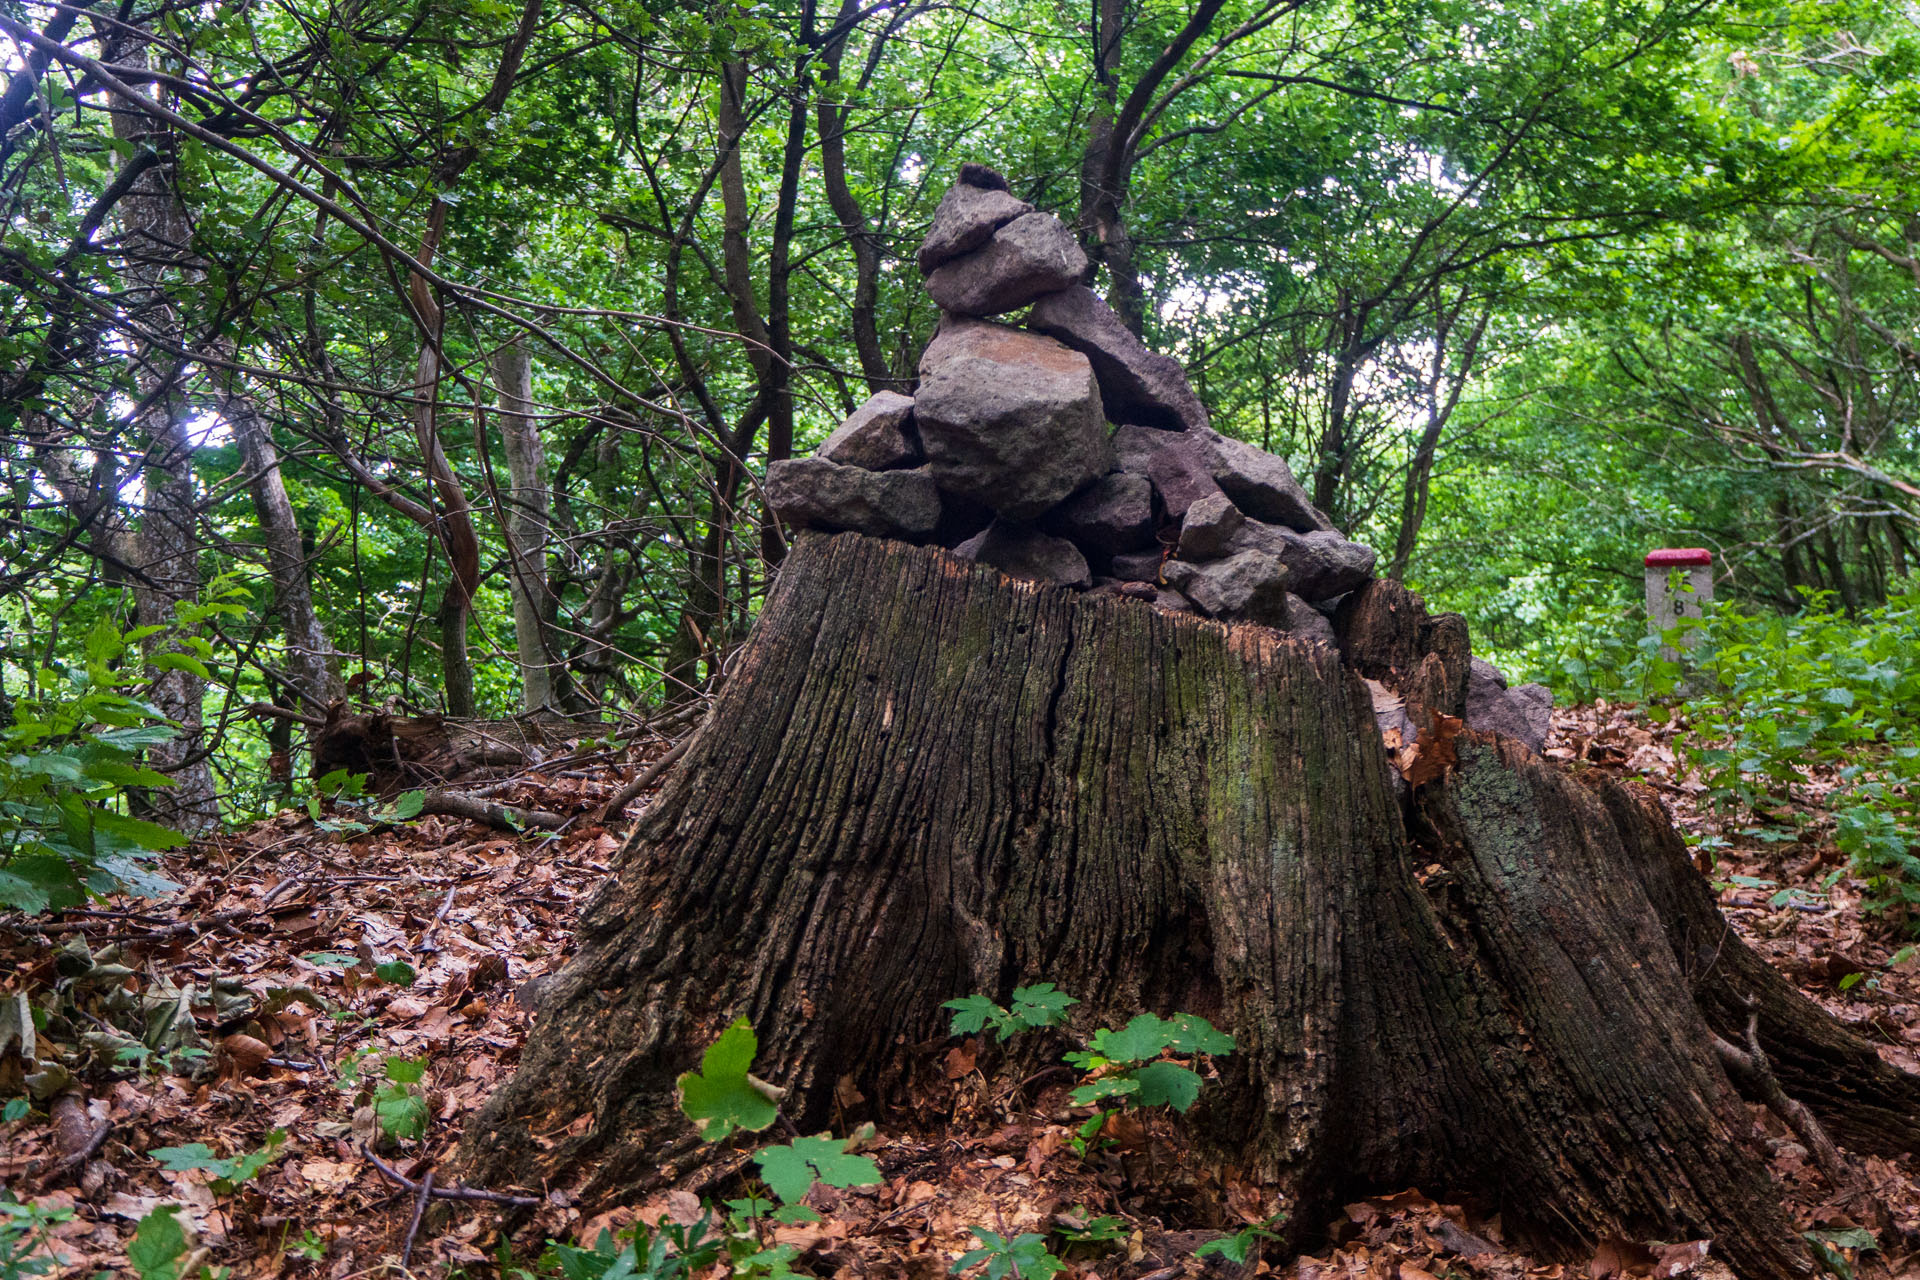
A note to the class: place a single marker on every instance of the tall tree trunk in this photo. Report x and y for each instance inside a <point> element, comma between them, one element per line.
<point>925,780</point>
<point>164,545</point>
<point>1440,407</point>
<point>311,668</point>
<point>528,521</point>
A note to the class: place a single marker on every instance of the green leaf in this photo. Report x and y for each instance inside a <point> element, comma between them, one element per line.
<point>407,806</point>
<point>398,972</point>
<point>1040,1005</point>
<point>406,1070</point>
<point>1119,1086</point>
<point>1141,1040</point>
<point>159,1245</point>
<point>1192,1033</point>
<point>720,1097</point>
<point>791,1170</point>
<point>1167,1084</point>
<point>16,1109</point>
<point>971,1014</point>
<point>194,1155</point>
<point>400,1113</point>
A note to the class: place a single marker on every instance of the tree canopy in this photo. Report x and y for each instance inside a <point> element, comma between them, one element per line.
<point>430,351</point>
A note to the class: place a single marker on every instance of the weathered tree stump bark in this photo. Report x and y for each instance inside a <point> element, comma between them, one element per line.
<point>925,780</point>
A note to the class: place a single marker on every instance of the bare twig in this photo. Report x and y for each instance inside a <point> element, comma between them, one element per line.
<point>447,1193</point>
<point>419,1211</point>
<point>648,776</point>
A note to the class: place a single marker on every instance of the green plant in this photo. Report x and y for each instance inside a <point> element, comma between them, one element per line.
<point>1025,1255</point>
<point>160,1248</point>
<point>1775,696</point>
<point>25,1230</point>
<point>229,1172</point>
<point>1078,1225</point>
<point>15,1109</point>
<point>400,1104</point>
<point>665,1251</point>
<point>1239,1246</point>
<point>344,790</point>
<point>310,1247</point>
<point>721,1096</point>
<point>1040,1005</point>
<point>1130,1064</point>
<point>68,755</point>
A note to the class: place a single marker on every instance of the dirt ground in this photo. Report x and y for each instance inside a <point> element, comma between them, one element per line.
<point>258,985</point>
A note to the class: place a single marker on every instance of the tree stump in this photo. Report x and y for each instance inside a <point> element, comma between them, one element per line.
<point>924,780</point>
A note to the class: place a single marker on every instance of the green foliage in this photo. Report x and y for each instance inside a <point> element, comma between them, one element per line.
<point>25,1232</point>
<point>1127,1062</point>
<point>348,791</point>
<point>721,1097</point>
<point>159,1248</point>
<point>792,1170</point>
<point>1078,1225</point>
<point>1773,695</point>
<point>665,1251</point>
<point>400,1105</point>
<point>15,1109</point>
<point>1039,1005</point>
<point>67,757</point>
<point>1239,1246</point>
<point>229,1172</point>
<point>397,972</point>
<point>1026,1254</point>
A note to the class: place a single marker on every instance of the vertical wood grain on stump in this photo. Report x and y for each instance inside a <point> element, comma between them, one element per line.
<point>925,780</point>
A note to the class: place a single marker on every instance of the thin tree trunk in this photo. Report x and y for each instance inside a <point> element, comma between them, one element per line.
<point>164,544</point>
<point>925,781</point>
<point>310,666</point>
<point>528,521</point>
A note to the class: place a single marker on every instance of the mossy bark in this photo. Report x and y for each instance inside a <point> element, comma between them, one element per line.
<point>925,780</point>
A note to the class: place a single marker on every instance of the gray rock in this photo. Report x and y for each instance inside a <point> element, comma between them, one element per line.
<point>1168,458</point>
<point>1524,712</point>
<point>1172,601</point>
<point>1208,525</point>
<point>1008,418</point>
<point>1248,586</point>
<point>1022,551</point>
<point>878,435</point>
<point>1139,566</point>
<point>966,219</point>
<point>1029,258</point>
<point>813,493</point>
<point>1136,385</point>
<point>1113,515</point>
<point>1260,484</point>
<point>1322,564</point>
<point>1308,623</point>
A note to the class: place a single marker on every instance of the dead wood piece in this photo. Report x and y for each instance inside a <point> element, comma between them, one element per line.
<point>647,777</point>
<point>503,817</point>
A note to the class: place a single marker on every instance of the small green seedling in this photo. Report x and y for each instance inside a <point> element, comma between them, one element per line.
<point>229,1172</point>
<point>1026,1255</point>
<point>1040,1005</point>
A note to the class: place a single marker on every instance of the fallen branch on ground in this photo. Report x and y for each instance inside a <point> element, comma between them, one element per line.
<point>503,817</point>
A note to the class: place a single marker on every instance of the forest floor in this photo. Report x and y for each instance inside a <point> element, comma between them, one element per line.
<point>270,949</point>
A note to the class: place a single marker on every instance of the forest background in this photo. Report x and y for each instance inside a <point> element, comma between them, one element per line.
<point>425,352</point>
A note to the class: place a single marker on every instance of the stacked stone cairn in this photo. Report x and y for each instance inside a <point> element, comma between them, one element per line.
<point>1063,450</point>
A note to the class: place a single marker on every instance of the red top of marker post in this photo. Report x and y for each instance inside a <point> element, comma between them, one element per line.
<point>1679,558</point>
